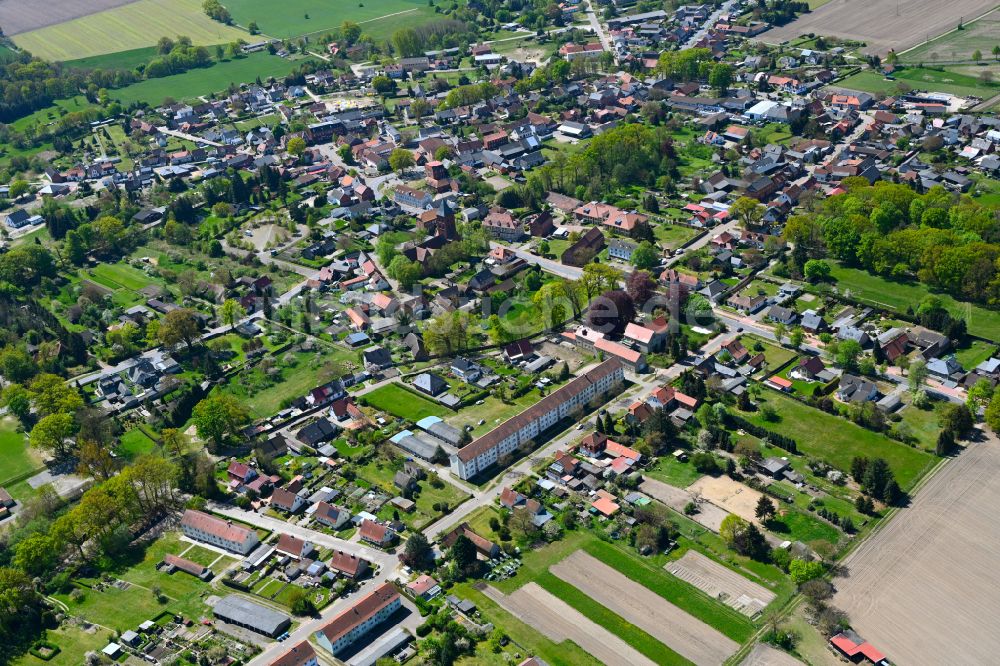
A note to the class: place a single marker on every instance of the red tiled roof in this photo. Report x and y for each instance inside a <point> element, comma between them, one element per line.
<point>296,656</point>
<point>372,531</point>
<point>291,545</point>
<point>421,585</point>
<point>216,526</point>
<point>348,564</point>
<point>192,568</point>
<point>850,648</point>
<point>360,612</point>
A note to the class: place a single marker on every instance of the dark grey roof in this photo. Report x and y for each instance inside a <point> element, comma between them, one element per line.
<point>249,614</point>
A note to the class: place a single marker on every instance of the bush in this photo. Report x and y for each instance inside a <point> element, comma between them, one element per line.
<point>44,650</point>
<point>423,629</point>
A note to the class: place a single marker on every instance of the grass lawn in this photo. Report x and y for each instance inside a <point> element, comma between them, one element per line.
<point>776,355</point>
<point>133,26</point>
<point>200,555</point>
<point>614,623</point>
<point>306,371</point>
<point>921,79</point>
<point>673,235</point>
<point>803,527</point>
<point>119,609</point>
<point>135,443</point>
<point>669,470</point>
<point>974,353</point>
<point>493,411</point>
<point>405,404</point>
<point>74,643</point>
<point>298,17</point>
<point>924,423</point>
<point>206,81</point>
<point>15,457</point>
<point>345,449</point>
<point>837,440</point>
<point>119,60</point>
<point>869,288</point>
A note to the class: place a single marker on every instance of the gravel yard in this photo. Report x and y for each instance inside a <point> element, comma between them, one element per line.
<point>647,610</point>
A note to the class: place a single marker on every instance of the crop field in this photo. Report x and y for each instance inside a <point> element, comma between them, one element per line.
<point>131,26</point>
<point>837,441</point>
<point>558,621</point>
<point>299,17</point>
<point>940,553</point>
<point>959,45</point>
<point>197,82</point>
<point>642,607</point>
<point>877,24</point>
<point>921,78</point>
<point>869,288</point>
<point>17,16</point>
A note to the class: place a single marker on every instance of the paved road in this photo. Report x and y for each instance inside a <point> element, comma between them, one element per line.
<point>188,137</point>
<point>549,265</point>
<point>385,562</point>
<point>713,18</point>
<point>597,28</point>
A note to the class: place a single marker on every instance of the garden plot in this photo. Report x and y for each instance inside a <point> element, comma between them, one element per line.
<point>708,514</point>
<point>688,636</point>
<point>729,495</point>
<point>559,622</point>
<point>721,583</point>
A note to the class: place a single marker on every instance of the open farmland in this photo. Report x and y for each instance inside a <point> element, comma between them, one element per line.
<point>875,22</point>
<point>130,26</point>
<point>558,621</point>
<point>17,16</point>
<point>645,609</point>
<point>299,17</point>
<point>937,560</point>
<point>959,45</point>
<point>765,655</point>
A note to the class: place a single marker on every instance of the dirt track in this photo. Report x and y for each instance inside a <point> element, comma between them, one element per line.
<point>560,622</point>
<point>688,636</point>
<point>17,16</point>
<point>875,22</point>
<point>924,589</point>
